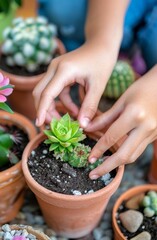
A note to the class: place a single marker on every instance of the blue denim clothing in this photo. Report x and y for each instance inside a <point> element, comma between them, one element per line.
<point>140,24</point>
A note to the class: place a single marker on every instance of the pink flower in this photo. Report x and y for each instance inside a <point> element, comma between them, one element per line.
<point>19,238</point>
<point>5,88</point>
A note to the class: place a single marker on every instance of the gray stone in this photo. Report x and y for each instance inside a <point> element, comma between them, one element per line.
<point>142,236</point>
<point>7,236</point>
<point>6,228</point>
<point>131,220</point>
<point>134,202</point>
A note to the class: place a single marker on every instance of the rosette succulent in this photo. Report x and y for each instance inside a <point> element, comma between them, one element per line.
<point>29,43</point>
<point>64,137</point>
<point>64,134</point>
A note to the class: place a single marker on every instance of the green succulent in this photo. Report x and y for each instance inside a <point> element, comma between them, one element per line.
<point>29,43</point>
<point>149,203</point>
<point>121,78</point>
<point>6,142</point>
<point>64,134</point>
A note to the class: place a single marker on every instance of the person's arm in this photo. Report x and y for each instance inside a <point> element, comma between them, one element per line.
<point>90,65</point>
<point>134,114</point>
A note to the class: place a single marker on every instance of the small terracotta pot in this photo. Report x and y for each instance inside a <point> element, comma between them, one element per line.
<point>152,176</point>
<point>118,235</point>
<point>12,183</point>
<point>69,216</point>
<point>21,100</point>
<point>39,235</point>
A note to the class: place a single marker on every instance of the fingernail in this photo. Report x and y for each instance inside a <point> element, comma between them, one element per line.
<point>94,177</point>
<point>84,122</point>
<point>92,160</point>
<point>37,122</point>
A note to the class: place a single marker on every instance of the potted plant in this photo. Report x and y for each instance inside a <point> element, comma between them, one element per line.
<point>15,132</point>
<point>134,214</point>
<point>71,210</point>
<point>21,232</point>
<point>28,47</point>
<point>7,13</point>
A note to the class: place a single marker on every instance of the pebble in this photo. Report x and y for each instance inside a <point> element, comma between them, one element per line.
<point>131,220</point>
<point>142,236</point>
<point>134,202</point>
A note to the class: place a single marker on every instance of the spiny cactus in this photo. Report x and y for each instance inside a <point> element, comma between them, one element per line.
<point>121,78</point>
<point>29,43</point>
<point>6,142</point>
<point>77,158</point>
<point>149,203</point>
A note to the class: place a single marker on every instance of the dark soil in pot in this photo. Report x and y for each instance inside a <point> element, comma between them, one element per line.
<point>21,71</point>
<point>148,224</point>
<point>18,147</point>
<point>59,176</point>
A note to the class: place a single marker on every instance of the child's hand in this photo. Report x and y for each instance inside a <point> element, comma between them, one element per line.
<point>90,66</point>
<point>134,114</point>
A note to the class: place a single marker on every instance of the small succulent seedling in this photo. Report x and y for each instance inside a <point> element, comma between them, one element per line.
<point>6,143</point>
<point>149,203</point>
<point>29,43</point>
<point>64,137</point>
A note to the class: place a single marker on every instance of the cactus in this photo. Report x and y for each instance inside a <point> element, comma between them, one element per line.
<point>77,158</point>
<point>149,203</point>
<point>121,78</point>
<point>29,43</point>
<point>6,142</point>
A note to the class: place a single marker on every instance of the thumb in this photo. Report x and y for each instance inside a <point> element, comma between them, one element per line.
<point>89,105</point>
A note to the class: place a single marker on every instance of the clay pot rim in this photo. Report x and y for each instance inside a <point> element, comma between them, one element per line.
<point>40,137</point>
<point>30,130</point>
<point>126,195</point>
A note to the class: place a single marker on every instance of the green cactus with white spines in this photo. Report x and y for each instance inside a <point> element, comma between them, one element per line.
<point>121,78</point>
<point>149,203</point>
<point>29,43</point>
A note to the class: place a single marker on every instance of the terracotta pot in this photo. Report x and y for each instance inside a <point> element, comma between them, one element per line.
<point>70,216</point>
<point>12,183</point>
<point>39,235</point>
<point>21,100</point>
<point>118,235</point>
<point>152,176</point>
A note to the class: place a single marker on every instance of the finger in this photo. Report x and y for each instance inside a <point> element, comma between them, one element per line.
<point>51,91</point>
<point>116,131</point>
<point>90,104</point>
<point>123,155</point>
<point>50,114</point>
<point>68,102</point>
<point>103,120</point>
<point>43,83</point>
